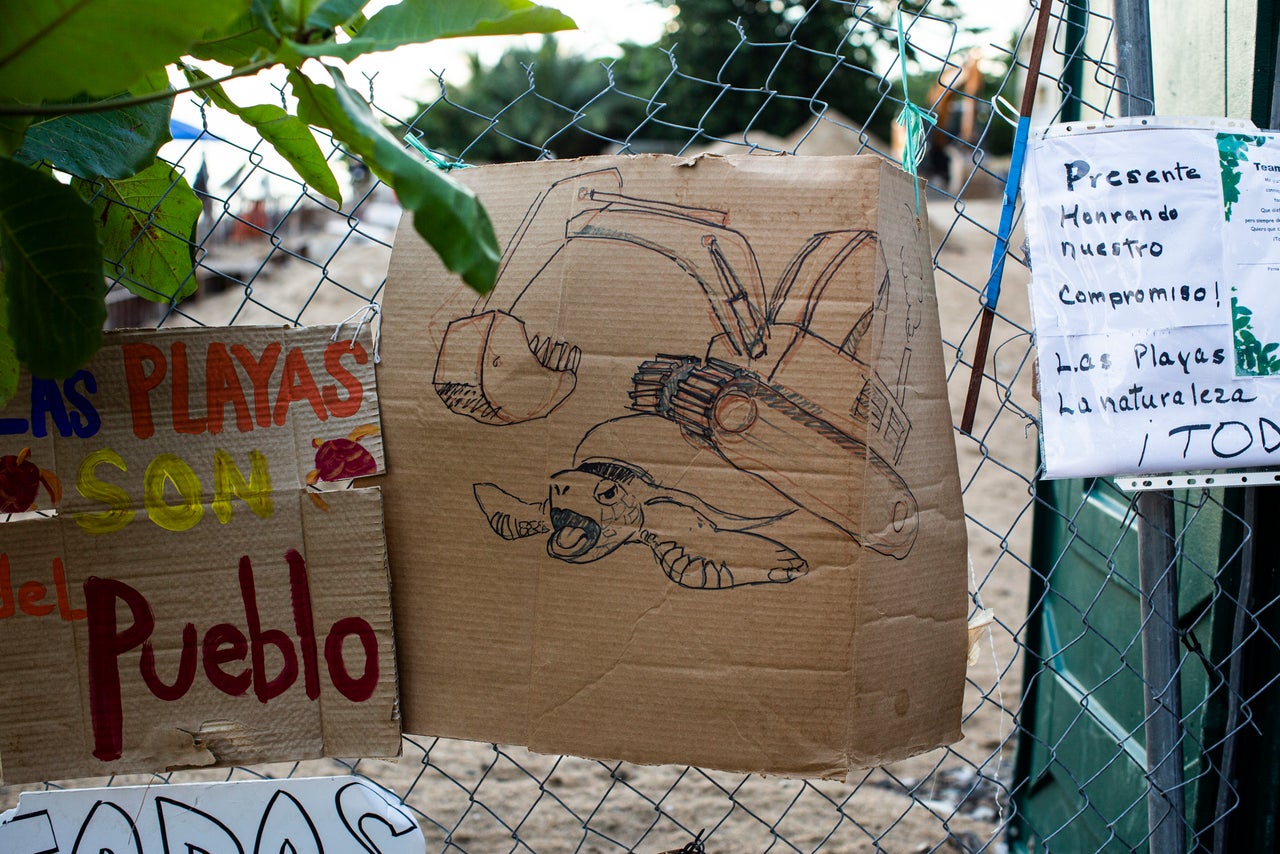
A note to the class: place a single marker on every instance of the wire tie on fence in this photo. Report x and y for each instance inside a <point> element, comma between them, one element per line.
<point>365,314</point>
<point>913,120</point>
<point>694,847</point>
<point>434,159</point>
<point>998,102</point>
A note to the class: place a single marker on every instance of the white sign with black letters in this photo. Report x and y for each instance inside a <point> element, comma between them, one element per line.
<point>304,816</point>
<point>1143,351</point>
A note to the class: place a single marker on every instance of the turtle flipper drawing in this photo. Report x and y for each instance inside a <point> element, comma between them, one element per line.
<point>694,552</point>
<point>509,517</point>
<point>604,504</point>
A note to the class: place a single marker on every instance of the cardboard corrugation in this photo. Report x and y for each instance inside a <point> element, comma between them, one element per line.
<point>187,570</point>
<point>550,634</point>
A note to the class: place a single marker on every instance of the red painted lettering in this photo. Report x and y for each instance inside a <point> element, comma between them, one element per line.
<point>64,596</point>
<point>141,381</point>
<point>265,688</point>
<point>222,386</point>
<point>31,599</point>
<point>107,642</point>
<point>338,406</point>
<point>259,371</point>
<point>181,382</point>
<point>298,384</point>
<point>223,644</point>
<point>186,668</point>
<point>357,690</point>
<point>303,621</point>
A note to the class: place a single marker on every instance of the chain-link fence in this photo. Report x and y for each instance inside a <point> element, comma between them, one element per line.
<point>1054,713</point>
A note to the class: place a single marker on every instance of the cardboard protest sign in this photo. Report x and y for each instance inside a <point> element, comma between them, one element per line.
<point>1154,248</point>
<point>304,816</point>
<point>194,601</point>
<point>682,488</point>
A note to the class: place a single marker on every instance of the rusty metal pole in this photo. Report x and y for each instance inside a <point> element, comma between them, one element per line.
<point>1158,544</point>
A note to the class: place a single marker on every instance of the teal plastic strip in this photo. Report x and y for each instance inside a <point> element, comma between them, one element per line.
<point>913,120</point>
<point>435,159</point>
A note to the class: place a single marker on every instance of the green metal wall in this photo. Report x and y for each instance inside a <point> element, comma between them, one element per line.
<point>1082,752</point>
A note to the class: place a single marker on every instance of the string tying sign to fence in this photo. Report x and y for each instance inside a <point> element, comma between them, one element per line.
<point>913,120</point>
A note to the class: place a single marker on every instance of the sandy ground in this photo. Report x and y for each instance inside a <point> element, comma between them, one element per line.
<point>475,796</point>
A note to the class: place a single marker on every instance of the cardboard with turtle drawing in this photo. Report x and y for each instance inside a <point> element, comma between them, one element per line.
<point>683,487</point>
<point>205,593</point>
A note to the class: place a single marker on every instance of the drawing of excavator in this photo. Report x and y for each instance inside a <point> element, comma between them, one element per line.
<point>791,387</point>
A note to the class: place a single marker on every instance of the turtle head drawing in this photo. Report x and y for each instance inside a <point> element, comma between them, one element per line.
<point>596,508</point>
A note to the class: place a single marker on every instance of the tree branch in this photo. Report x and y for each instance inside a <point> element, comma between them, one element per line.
<point>119,103</point>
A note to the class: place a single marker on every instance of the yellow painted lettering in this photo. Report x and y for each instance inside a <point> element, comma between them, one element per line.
<point>167,468</point>
<point>88,485</point>
<point>228,481</point>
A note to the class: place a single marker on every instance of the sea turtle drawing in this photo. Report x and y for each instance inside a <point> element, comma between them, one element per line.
<point>603,504</point>
<point>342,458</point>
<point>20,481</point>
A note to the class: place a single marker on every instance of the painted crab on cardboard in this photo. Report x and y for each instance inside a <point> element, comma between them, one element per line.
<point>20,482</point>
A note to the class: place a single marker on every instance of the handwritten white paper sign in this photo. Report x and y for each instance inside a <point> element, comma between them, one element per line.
<point>304,816</point>
<point>1138,281</point>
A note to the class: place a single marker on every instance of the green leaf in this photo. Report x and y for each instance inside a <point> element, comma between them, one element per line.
<point>288,135</point>
<point>446,214</point>
<point>265,13</point>
<point>334,13</point>
<point>147,224</point>
<point>53,271</point>
<point>113,144</point>
<point>241,42</point>
<point>12,131</point>
<point>8,358</point>
<point>417,21</point>
<point>56,49</point>
<point>303,20</point>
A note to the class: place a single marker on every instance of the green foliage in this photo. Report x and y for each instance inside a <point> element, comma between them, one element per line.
<point>566,85</point>
<point>58,49</point>
<point>698,80</point>
<point>287,134</point>
<point>416,21</point>
<point>53,270</point>
<point>446,214</point>
<point>114,144</point>
<point>1252,356</point>
<point>152,238</point>
<point>770,85</point>
<point>63,64</point>
<point>1233,149</point>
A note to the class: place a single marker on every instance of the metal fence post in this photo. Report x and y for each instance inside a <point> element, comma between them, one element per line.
<point>1158,580</point>
<point>1158,545</point>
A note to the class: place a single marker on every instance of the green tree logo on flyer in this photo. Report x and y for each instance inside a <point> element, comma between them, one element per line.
<point>1232,151</point>
<point>1253,358</point>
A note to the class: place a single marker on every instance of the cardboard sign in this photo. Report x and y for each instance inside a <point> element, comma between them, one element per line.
<point>1154,249</point>
<point>683,487</point>
<point>194,602</point>
<point>303,816</point>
